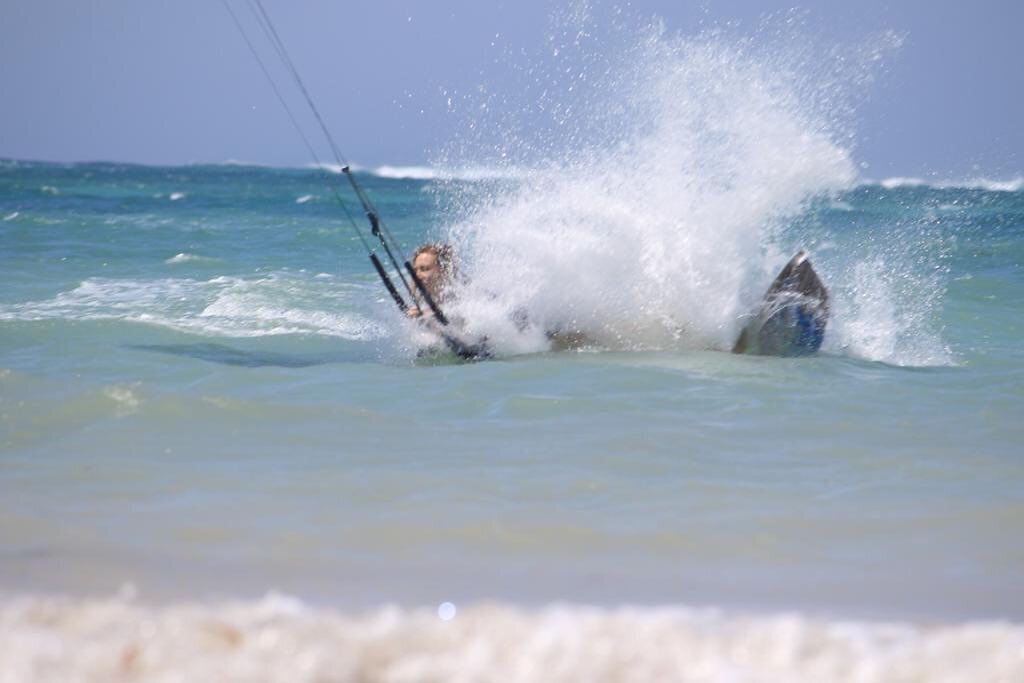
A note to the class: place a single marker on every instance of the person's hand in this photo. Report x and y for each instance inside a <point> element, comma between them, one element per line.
<point>420,314</point>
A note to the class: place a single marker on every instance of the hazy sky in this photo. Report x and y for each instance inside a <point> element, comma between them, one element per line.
<point>170,82</point>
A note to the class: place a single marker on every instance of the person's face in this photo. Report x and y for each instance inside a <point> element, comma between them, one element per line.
<point>428,271</point>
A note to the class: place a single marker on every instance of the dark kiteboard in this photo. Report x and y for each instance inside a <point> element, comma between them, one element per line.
<point>792,317</point>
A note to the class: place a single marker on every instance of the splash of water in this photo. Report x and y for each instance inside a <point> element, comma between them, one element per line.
<point>885,298</point>
<point>663,169</point>
<point>649,232</point>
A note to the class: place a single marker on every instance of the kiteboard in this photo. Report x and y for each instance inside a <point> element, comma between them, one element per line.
<point>792,317</point>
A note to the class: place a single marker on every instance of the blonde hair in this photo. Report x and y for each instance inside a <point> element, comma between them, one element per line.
<point>442,252</point>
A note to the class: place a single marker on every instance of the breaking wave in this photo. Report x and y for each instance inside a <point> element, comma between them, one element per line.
<point>278,303</point>
<point>280,638</point>
<point>987,184</point>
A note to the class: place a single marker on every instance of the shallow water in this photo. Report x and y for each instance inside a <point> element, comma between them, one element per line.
<point>252,416</point>
<point>223,454</point>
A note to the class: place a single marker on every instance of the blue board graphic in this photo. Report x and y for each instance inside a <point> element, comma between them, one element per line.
<point>792,317</point>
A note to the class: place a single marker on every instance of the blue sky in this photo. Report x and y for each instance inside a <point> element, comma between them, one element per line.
<point>172,82</point>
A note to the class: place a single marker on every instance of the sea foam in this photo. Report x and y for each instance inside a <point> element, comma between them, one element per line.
<point>1010,185</point>
<point>227,306</point>
<point>280,638</point>
<point>472,173</point>
<point>187,258</point>
<point>893,183</point>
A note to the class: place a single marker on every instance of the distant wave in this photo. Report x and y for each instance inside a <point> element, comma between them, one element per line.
<point>236,162</point>
<point>388,171</point>
<point>223,306</point>
<point>899,181</point>
<point>1014,185</point>
<point>990,185</point>
<point>186,258</point>
<point>331,168</point>
<point>477,173</point>
<point>410,172</point>
<point>430,173</point>
<point>472,173</point>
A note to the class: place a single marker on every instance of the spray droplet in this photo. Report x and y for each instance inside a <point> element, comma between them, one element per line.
<point>446,611</point>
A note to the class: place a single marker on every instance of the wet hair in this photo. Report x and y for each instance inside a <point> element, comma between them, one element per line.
<point>442,252</point>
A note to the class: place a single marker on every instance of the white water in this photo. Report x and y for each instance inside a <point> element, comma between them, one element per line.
<point>653,219</point>
<point>224,306</point>
<point>278,638</point>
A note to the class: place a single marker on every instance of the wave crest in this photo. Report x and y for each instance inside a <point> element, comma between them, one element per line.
<point>225,306</point>
<point>280,638</point>
<point>989,185</point>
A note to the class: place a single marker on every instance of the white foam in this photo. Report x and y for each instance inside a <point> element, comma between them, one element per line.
<point>175,196</point>
<point>1011,185</point>
<point>125,398</point>
<point>278,303</point>
<point>469,173</point>
<point>464,173</point>
<point>893,183</point>
<point>303,199</point>
<point>279,638</point>
<point>11,216</point>
<point>406,172</point>
<point>187,258</point>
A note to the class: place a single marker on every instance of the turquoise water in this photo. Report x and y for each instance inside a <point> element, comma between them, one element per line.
<point>205,393</point>
<point>226,455</point>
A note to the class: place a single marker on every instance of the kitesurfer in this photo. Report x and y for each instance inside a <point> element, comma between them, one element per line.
<point>433,265</point>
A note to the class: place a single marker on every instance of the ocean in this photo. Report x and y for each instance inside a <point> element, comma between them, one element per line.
<point>221,452</point>
<point>225,454</point>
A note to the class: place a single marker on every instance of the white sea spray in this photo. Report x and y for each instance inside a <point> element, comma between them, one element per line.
<point>665,171</point>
